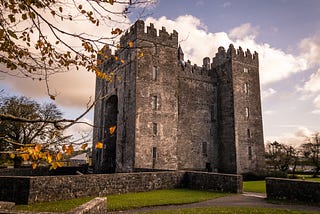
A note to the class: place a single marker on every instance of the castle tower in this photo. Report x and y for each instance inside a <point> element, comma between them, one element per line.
<point>240,131</point>
<point>172,115</point>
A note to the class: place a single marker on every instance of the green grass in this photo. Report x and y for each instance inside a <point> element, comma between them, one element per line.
<point>159,197</point>
<point>232,210</point>
<point>129,200</point>
<point>55,206</point>
<point>254,186</point>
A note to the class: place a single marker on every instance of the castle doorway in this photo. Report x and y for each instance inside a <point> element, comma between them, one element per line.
<point>110,139</point>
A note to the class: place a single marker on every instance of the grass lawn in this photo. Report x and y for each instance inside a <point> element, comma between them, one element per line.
<point>230,210</point>
<point>254,186</point>
<point>130,200</point>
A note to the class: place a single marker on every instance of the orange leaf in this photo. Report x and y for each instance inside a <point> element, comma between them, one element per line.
<point>69,150</point>
<point>130,44</point>
<point>37,148</point>
<point>59,156</point>
<point>64,147</point>
<point>49,158</point>
<point>99,145</point>
<point>84,146</point>
<point>25,157</point>
<point>34,165</point>
<point>112,129</point>
<point>12,155</point>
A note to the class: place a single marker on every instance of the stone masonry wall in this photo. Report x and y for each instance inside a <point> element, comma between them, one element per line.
<point>28,190</point>
<point>295,190</point>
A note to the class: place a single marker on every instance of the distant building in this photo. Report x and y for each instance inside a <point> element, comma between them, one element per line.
<point>79,160</point>
<point>171,115</point>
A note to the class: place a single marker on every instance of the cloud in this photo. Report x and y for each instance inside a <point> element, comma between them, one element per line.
<point>293,139</point>
<point>226,4</point>
<point>243,31</point>
<point>73,88</point>
<point>310,48</point>
<point>197,43</point>
<point>316,101</point>
<point>268,93</point>
<point>313,84</point>
<point>316,111</point>
<point>268,112</point>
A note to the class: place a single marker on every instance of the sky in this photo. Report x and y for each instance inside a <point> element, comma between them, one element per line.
<point>285,33</point>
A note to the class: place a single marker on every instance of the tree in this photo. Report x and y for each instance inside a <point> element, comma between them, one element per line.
<point>311,150</point>
<point>40,141</point>
<point>281,156</point>
<point>35,41</point>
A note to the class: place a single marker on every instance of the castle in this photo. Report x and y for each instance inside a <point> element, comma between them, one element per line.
<point>171,115</point>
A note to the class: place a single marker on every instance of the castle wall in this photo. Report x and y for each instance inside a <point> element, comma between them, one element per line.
<point>156,100</point>
<point>196,123</point>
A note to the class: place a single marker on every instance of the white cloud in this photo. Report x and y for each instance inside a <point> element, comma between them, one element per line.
<point>313,84</point>
<point>197,43</point>
<point>293,139</point>
<point>310,48</point>
<point>316,111</point>
<point>268,93</point>
<point>243,31</point>
<point>316,101</point>
<point>268,112</point>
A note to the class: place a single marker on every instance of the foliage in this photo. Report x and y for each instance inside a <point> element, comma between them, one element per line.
<point>36,141</point>
<point>254,186</point>
<point>36,39</point>
<point>281,156</point>
<point>311,151</point>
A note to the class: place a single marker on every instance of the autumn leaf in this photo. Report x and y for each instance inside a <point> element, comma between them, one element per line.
<point>116,31</point>
<point>12,155</point>
<point>25,157</point>
<point>84,146</point>
<point>55,165</point>
<point>34,165</point>
<point>49,158</point>
<point>112,129</point>
<point>111,2</point>
<point>141,54</point>
<point>59,156</point>
<point>37,148</point>
<point>99,145</point>
<point>69,150</point>
<point>64,147</point>
<point>130,44</point>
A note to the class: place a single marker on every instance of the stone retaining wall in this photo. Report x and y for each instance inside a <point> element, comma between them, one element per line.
<point>295,190</point>
<point>27,190</point>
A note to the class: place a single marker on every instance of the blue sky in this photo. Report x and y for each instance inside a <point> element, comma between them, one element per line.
<point>285,33</point>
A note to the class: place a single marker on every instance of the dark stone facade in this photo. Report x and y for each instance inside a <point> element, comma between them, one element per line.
<point>171,115</point>
<point>28,190</point>
<point>293,190</point>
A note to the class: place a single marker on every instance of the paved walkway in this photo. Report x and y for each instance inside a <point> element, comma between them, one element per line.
<point>238,200</point>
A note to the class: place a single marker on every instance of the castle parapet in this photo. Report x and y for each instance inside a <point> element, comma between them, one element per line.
<point>235,54</point>
<point>137,31</point>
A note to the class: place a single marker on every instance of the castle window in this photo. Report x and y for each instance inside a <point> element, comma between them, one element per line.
<point>250,153</point>
<point>245,70</point>
<point>247,112</point>
<point>154,102</point>
<point>204,148</point>
<point>246,88</point>
<point>248,133</point>
<point>154,73</point>
<point>154,153</point>
<point>154,129</point>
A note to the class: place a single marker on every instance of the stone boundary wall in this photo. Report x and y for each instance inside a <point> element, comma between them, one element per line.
<point>28,190</point>
<point>214,181</point>
<point>294,190</point>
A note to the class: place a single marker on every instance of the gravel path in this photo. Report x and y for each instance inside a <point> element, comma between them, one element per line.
<point>240,200</point>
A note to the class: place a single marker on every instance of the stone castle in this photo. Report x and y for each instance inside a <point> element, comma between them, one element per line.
<point>171,115</point>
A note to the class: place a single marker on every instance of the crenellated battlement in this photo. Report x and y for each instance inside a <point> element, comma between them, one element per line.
<point>137,31</point>
<point>235,54</point>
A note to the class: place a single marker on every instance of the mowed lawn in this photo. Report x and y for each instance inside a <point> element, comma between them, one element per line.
<point>130,200</point>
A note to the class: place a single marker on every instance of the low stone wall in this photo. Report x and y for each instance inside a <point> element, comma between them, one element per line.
<point>295,190</point>
<point>214,181</point>
<point>95,206</point>
<point>27,190</point>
